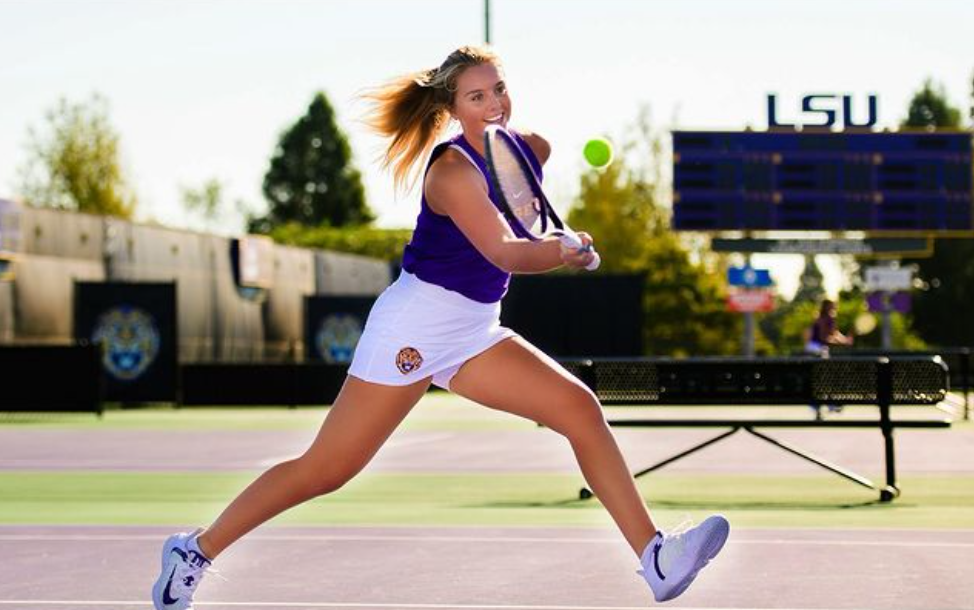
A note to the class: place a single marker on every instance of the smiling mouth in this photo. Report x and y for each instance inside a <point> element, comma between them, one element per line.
<point>496,119</point>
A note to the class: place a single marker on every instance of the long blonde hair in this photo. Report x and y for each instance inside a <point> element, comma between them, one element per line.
<point>413,110</point>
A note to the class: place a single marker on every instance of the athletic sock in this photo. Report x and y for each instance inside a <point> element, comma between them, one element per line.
<point>193,545</point>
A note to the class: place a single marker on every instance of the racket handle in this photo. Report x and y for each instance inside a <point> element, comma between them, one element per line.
<point>572,241</point>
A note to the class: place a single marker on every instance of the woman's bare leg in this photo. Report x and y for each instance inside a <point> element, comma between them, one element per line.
<point>516,377</point>
<point>363,416</point>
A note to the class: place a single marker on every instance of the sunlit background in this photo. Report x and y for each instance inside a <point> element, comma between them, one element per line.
<point>203,90</point>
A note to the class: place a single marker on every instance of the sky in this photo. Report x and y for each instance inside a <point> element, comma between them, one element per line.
<point>203,89</point>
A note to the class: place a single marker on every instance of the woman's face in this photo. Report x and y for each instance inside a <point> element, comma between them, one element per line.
<point>481,99</point>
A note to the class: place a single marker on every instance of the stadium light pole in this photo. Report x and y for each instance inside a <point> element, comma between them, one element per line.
<point>487,21</point>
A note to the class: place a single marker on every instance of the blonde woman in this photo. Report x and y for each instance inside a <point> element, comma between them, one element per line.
<point>439,323</point>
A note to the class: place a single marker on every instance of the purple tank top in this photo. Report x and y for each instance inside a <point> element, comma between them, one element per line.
<point>439,253</point>
<point>822,329</point>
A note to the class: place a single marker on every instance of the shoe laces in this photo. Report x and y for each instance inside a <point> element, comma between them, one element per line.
<point>189,572</point>
<point>674,543</point>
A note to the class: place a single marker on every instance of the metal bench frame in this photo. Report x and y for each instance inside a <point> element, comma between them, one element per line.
<point>792,382</point>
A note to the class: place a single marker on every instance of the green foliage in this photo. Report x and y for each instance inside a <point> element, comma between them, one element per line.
<point>73,163</point>
<point>940,308</point>
<point>619,210</point>
<point>784,327</point>
<point>795,320</point>
<point>792,324</point>
<point>205,201</point>
<point>386,244</point>
<point>311,180</point>
<point>852,304</point>
<point>947,276</point>
<point>930,108</point>
<point>683,301</point>
<point>811,283</point>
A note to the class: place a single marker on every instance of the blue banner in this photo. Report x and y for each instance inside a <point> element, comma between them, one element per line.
<point>749,277</point>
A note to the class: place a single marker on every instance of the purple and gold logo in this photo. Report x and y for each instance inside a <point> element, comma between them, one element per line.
<point>408,360</point>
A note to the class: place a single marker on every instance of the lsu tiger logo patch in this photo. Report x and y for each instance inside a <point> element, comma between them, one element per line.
<point>408,360</point>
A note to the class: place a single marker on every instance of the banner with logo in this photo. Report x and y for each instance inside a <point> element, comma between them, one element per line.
<point>134,325</point>
<point>333,325</point>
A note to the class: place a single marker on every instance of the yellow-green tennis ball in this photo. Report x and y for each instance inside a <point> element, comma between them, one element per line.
<point>598,152</point>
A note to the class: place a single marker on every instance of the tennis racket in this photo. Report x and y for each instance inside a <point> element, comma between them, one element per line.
<point>520,196</point>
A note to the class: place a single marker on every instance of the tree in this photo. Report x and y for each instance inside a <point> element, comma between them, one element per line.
<point>73,163</point>
<point>683,302</point>
<point>311,180</point>
<point>366,240</point>
<point>785,326</point>
<point>947,276</point>
<point>929,108</point>
<point>206,201</point>
<point>811,286</point>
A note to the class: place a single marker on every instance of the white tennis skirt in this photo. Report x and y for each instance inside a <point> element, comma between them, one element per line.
<point>418,330</point>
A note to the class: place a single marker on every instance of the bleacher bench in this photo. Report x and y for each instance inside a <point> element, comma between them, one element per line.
<point>880,381</point>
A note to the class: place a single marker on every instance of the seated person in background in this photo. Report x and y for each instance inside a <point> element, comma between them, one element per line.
<point>819,337</point>
<point>824,332</point>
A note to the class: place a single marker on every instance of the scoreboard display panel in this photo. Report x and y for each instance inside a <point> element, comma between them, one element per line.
<point>823,181</point>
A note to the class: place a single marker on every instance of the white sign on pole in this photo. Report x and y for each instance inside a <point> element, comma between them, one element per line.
<point>888,278</point>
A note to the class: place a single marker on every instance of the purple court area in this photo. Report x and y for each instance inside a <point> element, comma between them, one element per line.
<point>73,568</point>
<point>522,450</point>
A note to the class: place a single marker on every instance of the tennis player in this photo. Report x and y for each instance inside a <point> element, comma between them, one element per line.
<point>439,323</point>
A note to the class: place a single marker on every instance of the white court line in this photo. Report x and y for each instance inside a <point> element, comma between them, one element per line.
<point>114,603</point>
<point>140,604</point>
<point>466,539</point>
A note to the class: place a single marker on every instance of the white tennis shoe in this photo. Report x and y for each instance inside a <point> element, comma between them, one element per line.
<point>183,567</point>
<point>671,562</point>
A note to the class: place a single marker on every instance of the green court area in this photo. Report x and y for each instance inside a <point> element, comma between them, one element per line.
<point>485,499</point>
<point>49,496</point>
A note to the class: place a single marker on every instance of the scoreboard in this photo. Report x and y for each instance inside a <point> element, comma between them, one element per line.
<point>903,182</point>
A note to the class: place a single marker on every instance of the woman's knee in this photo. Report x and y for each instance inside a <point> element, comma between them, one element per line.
<point>582,414</point>
<point>321,478</point>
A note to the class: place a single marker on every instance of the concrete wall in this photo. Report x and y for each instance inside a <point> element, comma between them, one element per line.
<point>57,249</point>
<point>6,312</point>
<point>293,279</point>
<point>338,273</point>
<point>43,294</point>
<point>217,320</point>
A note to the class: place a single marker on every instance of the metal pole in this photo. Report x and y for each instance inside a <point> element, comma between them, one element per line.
<point>749,333</point>
<point>887,301</point>
<point>884,398</point>
<point>487,21</point>
<point>748,320</point>
<point>965,374</point>
<point>887,322</point>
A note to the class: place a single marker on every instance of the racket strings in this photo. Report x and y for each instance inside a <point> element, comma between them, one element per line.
<point>515,187</point>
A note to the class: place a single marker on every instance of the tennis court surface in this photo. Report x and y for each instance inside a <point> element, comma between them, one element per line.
<point>470,509</point>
